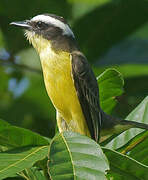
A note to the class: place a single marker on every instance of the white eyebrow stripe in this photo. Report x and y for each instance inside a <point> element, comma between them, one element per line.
<point>48,19</point>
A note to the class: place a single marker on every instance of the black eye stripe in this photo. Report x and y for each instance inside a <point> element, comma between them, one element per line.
<point>41,25</point>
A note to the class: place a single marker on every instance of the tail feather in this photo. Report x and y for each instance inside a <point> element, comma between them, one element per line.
<point>112,125</point>
<point>134,124</point>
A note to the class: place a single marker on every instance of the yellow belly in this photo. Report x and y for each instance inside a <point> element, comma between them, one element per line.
<point>60,88</point>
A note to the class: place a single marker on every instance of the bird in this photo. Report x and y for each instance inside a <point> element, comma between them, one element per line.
<point>69,79</point>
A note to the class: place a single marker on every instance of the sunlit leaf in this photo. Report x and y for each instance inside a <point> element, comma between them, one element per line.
<point>134,142</point>
<point>123,167</point>
<point>17,160</point>
<point>73,156</point>
<point>33,174</point>
<point>110,86</point>
<point>139,114</point>
<point>140,151</point>
<point>12,136</point>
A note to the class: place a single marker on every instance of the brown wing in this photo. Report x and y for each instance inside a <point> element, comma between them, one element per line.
<point>87,91</point>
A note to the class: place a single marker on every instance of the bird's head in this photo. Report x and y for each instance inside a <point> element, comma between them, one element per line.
<point>48,29</point>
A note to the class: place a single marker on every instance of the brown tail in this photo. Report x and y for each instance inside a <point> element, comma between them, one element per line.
<point>134,124</point>
<point>109,122</point>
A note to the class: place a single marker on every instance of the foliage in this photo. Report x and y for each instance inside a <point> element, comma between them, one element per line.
<point>105,30</point>
<point>73,156</point>
<point>112,80</point>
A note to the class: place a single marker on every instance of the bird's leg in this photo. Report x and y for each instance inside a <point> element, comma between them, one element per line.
<point>62,125</point>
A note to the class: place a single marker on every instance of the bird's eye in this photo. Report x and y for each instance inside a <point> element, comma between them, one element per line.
<point>40,25</point>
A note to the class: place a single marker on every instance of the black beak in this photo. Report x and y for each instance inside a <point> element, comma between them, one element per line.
<point>22,24</point>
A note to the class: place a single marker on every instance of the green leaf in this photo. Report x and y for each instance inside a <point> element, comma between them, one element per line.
<point>101,28</point>
<point>134,142</point>
<point>33,173</point>
<point>73,156</point>
<point>17,160</point>
<point>127,70</point>
<point>3,123</point>
<point>123,167</point>
<point>110,86</point>
<point>99,2</point>
<point>140,151</point>
<point>137,148</point>
<point>12,136</point>
<point>133,70</point>
<point>139,114</point>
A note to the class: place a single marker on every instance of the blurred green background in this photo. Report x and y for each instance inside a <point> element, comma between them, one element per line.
<point>111,33</point>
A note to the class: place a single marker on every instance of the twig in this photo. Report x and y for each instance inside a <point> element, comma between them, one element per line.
<point>21,66</point>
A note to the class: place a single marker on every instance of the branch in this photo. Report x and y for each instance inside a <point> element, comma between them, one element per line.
<point>21,66</point>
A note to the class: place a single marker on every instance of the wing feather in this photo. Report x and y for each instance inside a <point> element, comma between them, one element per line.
<point>87,91</point>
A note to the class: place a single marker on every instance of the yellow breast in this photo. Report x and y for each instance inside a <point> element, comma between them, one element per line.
<point>59,83</point>
<point>60,88</point>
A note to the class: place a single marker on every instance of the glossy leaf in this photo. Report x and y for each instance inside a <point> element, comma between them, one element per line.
<point>139,114</point>
<point>140,151</point>
<point>110,86</point>
<point>17,160</point>
<point>33,174</point>
<point>73,156</point>
<point>134,142</point>
<point>12,136</point>
<point>137,148</point>
<point>123,167</point>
